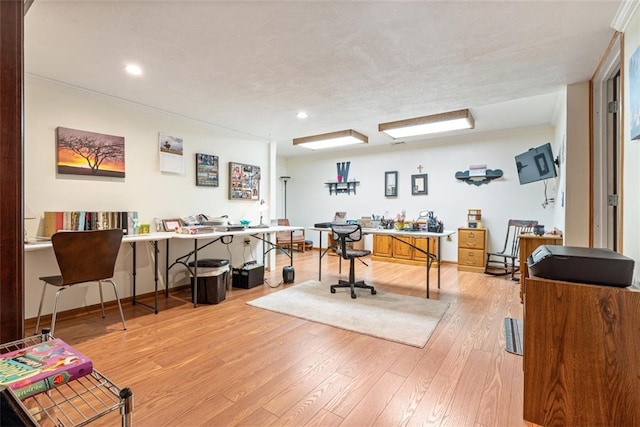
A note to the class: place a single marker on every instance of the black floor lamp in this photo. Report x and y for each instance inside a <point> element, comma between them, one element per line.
<point>285,179</point>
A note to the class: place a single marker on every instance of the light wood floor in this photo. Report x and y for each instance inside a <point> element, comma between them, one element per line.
<point>232,364</point>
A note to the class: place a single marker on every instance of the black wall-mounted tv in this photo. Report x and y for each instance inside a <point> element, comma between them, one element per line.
<point>536,164</point>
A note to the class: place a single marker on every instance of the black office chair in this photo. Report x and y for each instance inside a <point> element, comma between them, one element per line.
<point>344,235</point>
<point>83,256</point>
<point>506,261</point>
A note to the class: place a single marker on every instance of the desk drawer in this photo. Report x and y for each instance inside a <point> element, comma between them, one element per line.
<point>474,239</point>
<point>471,257</point>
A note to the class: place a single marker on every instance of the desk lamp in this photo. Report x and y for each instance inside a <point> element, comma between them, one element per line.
<point>263,207</point>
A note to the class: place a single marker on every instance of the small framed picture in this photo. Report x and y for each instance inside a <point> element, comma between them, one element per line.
<point>419,184</point>
<point>171,224</point>
<point>206,170</point>
<point>391,184</point>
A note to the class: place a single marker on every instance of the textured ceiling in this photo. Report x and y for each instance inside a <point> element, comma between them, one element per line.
<point>250,66</point>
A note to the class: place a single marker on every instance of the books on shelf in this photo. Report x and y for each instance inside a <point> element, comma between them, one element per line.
<point>81,221</point>
<point>40,367</point>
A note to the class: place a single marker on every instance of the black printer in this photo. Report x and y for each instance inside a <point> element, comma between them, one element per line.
<point>598,266</point>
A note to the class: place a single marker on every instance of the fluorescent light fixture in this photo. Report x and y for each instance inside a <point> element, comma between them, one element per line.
<point>444,122</point>
<point>332,139</point>
<point>302,115</point>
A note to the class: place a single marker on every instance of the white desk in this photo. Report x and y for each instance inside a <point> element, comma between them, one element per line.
<point>132,240</point>
<point>395,234</point>
<point>257,233</point>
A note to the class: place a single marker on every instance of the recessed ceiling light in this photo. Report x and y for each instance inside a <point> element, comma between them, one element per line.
<point>302,115</point>
<point>133,69</point>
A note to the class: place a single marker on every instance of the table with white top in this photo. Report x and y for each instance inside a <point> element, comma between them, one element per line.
<point>132,240</point>
<point>395,234</point>
<point>259,233</point>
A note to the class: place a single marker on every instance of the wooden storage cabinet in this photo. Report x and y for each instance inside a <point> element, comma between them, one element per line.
<point>472,249</point>
<point>383,246</point>
<point>581,349</point>
<point>386,248</point>
<point>401,248</point>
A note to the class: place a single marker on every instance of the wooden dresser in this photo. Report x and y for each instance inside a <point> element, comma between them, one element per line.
<point>472,249</point>
<point>581,347</point>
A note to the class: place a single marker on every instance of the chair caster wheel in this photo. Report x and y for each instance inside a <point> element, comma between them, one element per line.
<point>353,295</point>
<point>373,292</point>
<point>333,291</point>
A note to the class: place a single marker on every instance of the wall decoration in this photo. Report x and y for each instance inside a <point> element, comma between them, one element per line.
<point>634,94</point>
<point>343,171</point>
<point>391,184</point>
<point>206,170</point>
<point>478,175</point>
<point>88,153</point>
<point>244,181</point>
<point>419,184</point>
<point>171,158</point>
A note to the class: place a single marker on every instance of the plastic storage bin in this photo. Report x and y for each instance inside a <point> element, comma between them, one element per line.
<point>212,280</point>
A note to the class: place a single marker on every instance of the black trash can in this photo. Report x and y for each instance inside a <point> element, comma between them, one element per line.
<point>213,275</point>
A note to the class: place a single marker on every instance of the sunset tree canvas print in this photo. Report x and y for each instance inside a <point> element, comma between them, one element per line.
<point>89,153</point>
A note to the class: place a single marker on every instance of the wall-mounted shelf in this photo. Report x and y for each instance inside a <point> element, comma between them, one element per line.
<point>490,175</point>
<point>342,187</point>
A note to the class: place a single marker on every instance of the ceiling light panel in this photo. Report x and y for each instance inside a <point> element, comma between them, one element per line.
<point>444,122</point>
<point>332,140</point>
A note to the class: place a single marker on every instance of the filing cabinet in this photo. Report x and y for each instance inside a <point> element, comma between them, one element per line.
<point>472,249</point>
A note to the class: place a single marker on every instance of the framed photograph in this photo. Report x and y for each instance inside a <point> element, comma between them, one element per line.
<point>244,181</point>
<point>206,170</point>
<point>171,224</point>
<point>419,184</point>
<point>89,154</point>
<point>391,184</point>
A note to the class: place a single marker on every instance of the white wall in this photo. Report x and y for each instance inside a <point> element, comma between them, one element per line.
<point>144,189</point>
<point>309,201</point>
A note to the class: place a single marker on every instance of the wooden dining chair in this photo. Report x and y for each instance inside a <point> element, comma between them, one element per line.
<point>83,257</point>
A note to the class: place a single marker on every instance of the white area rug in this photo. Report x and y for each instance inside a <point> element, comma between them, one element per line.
<point>404,319</point>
